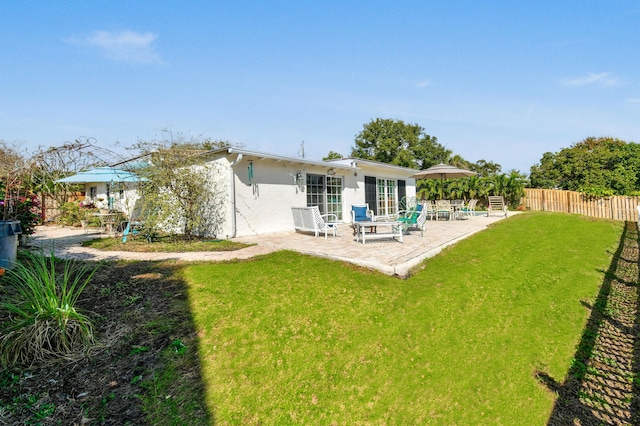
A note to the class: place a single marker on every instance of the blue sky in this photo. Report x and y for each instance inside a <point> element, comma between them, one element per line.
<point>503,81</point>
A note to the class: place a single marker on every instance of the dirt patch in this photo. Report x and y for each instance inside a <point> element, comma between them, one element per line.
<point>142,324</point>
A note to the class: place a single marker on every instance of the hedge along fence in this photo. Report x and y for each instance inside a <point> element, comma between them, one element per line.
<point>555,200</point>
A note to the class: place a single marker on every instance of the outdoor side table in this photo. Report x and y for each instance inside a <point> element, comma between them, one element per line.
<point>394,230</point>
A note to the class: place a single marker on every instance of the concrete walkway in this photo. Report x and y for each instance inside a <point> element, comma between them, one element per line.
<point>386,255</point>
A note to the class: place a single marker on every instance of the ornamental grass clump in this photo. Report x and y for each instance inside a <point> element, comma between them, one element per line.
<point>40,320</point>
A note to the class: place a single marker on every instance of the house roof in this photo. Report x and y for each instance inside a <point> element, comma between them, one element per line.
<point>357,162</point>
<point>101,174</point>
<point>349,164</point>
<point>279,158</point>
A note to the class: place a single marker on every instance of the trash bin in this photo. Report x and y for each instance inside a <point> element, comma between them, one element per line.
<point>9,231</point>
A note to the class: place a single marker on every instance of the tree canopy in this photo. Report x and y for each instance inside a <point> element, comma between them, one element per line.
<point>332,155</point>
<point>399,143</point>
<point>595,166</point>
<point>403,144</point>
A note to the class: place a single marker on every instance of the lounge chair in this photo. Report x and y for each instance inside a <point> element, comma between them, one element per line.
<point>496,205</point>
<point>309,219</point>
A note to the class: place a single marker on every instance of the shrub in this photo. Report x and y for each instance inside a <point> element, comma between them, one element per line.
<point>27,211</point>
<point>72,213</point>
<point>39,299</point>
<point>69,214</point>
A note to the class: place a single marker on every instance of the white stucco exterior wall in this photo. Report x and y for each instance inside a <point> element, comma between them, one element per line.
<point>263,201</point>
<point>123,201</point>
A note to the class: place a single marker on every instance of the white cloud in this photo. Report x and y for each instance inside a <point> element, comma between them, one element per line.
<point>603,79</point>
<point>423,83</point>
<point>122,46</point>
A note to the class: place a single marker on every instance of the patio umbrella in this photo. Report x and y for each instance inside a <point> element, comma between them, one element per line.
<point>443,171</point>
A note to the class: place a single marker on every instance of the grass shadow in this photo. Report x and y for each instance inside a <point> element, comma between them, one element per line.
<point>158,344</point>
<point>600,387</point>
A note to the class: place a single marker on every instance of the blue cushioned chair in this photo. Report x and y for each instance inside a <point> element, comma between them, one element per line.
<point>361,213</point>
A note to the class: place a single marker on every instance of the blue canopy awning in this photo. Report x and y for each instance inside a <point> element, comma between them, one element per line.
<point>101,174</point>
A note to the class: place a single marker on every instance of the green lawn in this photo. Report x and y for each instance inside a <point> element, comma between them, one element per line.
<point>288,338</point>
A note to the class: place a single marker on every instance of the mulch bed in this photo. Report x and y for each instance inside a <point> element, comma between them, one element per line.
<point>139,309</point>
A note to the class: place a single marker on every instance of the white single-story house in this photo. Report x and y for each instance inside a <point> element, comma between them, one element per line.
<point>256,190</point>
<point>261,188</point>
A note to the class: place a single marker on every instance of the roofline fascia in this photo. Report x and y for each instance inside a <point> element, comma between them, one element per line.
<point>279,158</point>
<point>378,164</point>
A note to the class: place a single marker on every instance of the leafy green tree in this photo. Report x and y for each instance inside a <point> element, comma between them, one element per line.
<point>396,142</point>
<point>332,155</point>
<point>485,168</point>
<point>457,161</point>
<point>594,165</point>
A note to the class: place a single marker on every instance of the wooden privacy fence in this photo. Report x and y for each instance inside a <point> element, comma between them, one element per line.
<point>555,200</point>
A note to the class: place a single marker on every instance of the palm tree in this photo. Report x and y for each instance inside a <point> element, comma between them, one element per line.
<point>474,184</point>
<point>458,188</point>
<point>514,188</point>
<point>429,188</point>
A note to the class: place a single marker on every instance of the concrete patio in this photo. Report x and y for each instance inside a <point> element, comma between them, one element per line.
<point>386,255</point>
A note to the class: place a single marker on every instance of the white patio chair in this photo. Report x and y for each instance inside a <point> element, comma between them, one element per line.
<point>470,209</point>
<point>430,209</point>
<point>456,206</point>
<point>443,208</point>
<point>361,213</point>
<point>309,219</point>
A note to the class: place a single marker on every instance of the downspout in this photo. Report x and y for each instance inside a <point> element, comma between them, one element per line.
<point>233,196</point>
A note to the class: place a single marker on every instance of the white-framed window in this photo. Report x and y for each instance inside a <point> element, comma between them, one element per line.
<point>334,196</point>
<point>326,193</point>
